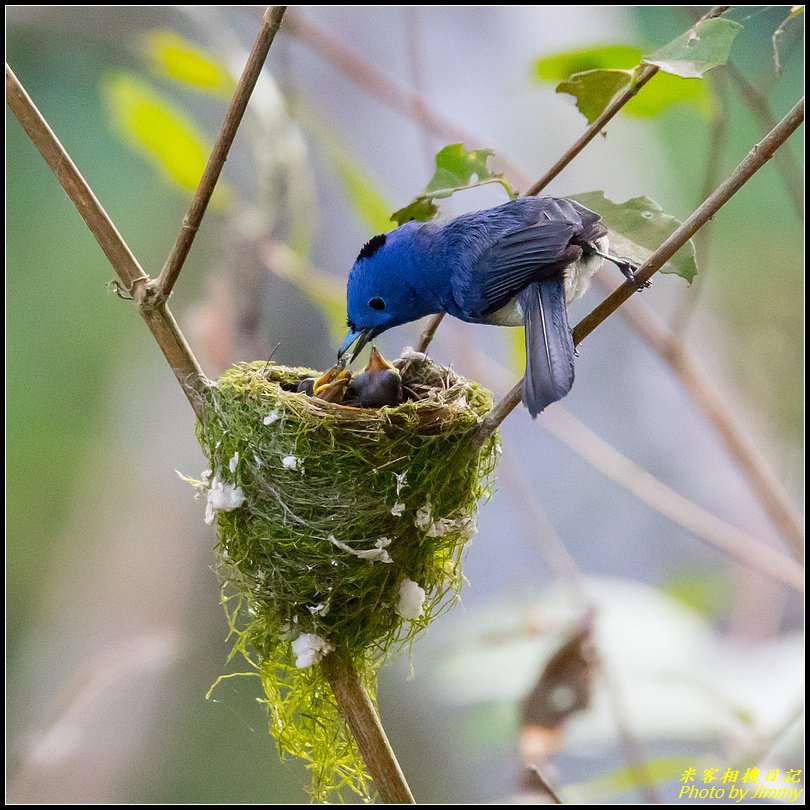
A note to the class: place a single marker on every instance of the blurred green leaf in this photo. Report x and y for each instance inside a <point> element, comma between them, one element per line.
<point>456,169</point>
<point>559,66</point>
<point>421,209</point>
<point>664,90</point>
<point>595,89</point>
<point>159,131</point>
<point>589,74</point>
<point>707,593</point>
<point>628,777</point>
<point>176,58</point>
<point>637,227</point>
<point>703,47</point>
<point>517,349</point>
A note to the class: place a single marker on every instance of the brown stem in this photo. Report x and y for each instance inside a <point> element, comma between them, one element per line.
<point>429,331</point>
<point>165,282</point>
<point>133,279</point>
<point>644,75</point>
<point>358,710</point>
<point>756,159</point>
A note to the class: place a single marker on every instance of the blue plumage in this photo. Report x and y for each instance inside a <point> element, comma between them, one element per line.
<point>517,263</point>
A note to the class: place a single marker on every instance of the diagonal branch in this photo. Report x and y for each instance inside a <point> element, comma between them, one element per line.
<point>133,279</point>
<point>163,285</point>
<point>755,160</point>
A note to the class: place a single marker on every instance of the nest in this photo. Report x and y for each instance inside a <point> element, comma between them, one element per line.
<point>339,507</point>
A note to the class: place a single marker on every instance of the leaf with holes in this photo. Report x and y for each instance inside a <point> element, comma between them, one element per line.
<point>595,89</point>
<point>706,46</point>
<point>456,169</point>
<point>637,227</point>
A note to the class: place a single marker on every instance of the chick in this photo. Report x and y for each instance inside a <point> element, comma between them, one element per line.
<point>331,386</point>
<point>378,385</point>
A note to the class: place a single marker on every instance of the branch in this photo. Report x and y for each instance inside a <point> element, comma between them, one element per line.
<point>158,318</point>
<point>165,282</point>
<point>356,706</point>
<point>756,159</point>
<point>644,75</point>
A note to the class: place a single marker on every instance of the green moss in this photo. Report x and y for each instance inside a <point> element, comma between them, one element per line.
<point>283,571</point>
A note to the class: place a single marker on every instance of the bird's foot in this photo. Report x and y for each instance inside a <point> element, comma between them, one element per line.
<point>628,269</point>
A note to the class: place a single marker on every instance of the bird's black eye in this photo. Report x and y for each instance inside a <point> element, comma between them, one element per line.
<point>377,303</point>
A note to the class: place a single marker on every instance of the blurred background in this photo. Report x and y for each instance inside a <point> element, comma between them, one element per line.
<point>611,505</point>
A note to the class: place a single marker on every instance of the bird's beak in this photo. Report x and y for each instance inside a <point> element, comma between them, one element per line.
<point>377,363</point>
<point>360,337</point>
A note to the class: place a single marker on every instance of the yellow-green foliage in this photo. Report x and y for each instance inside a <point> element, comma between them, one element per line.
<point>351,467</point>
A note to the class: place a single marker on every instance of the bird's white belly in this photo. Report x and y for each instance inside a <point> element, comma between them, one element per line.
<point>577,276</point>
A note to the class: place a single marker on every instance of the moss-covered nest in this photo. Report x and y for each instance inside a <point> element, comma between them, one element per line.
<point>329,518</point>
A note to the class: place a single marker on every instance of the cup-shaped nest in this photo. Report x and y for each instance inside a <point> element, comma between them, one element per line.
<point>332,522</point>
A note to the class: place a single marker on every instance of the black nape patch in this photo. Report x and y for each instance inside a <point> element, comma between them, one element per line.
<point>371,247</point>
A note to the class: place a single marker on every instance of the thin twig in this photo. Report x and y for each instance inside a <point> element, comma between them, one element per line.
<point>158,318</point>
<point>376,84</point>
<point>756,159</point>
<point>430,330</point>
<point>356,706</point>
<point>271,21</point>
<point>753,162</point>
<point>545,784</point>
<point>642,77</point>
<point>762,482</point>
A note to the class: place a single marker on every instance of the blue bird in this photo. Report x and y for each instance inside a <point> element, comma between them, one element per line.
<point>518,264</point>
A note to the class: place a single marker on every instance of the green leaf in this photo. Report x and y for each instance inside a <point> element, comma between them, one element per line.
<point>421,209</point>
<point>163,134</point>
<point>559,66</point>
<point>662,91</point>
<point>637,227</point>
<point>700,49</point>
<point>456,169</point>
<point>174,57</point>
<point>595,89</point>
<point>628,777</point>
<point>665,90</point>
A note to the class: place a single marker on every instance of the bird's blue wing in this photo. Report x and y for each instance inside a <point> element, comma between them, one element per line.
<point>533,253</point>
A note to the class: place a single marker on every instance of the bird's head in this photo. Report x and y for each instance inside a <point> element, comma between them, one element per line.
<point>382,291</point>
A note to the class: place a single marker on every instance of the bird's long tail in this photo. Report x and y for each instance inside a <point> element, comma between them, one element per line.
<point>549,346</point>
